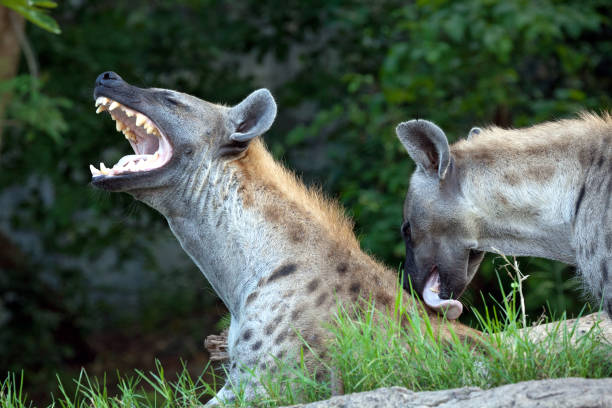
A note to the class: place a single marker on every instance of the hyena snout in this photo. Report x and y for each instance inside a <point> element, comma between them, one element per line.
<point>456,277</point>
<point>443,279</point>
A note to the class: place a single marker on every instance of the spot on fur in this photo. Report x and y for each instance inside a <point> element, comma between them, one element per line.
<point>272,213</point>
<point>501,198</point>
<point>283,271</point>
<point>247,196</point>
<point>280,338</point>
<point>271,327</point>
<point>246,336</point>
<point>321,299</point>
<point>296,313</point>
<point>355,287</point>
<point>604,271</point>
<point>512,178</point>
<point>540,173</point>
<point>383,299</point>
<point>586,156</point>
<point>342,268</point>
<point>297,232</point>
<point>313,285</point>
<point>252,297</point>
<point>257,345</point>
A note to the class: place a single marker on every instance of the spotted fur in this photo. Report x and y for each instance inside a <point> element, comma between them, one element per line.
<point>280,255</point>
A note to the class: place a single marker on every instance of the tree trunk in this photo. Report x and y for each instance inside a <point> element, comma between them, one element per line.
<point>11,24</point>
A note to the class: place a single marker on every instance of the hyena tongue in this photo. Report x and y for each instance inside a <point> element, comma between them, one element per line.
<point>450,307</point>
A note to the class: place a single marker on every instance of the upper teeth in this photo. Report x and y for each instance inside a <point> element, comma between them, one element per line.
<point>131,162</point>
<point>140,119</point>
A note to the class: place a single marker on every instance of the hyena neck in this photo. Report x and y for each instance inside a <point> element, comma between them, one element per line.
<point>522,186</point>
<point>239,223</point>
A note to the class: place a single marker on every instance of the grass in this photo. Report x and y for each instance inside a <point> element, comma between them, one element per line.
<point>370,350</point>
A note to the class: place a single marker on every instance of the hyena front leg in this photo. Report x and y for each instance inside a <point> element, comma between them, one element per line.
<point>594,261</point>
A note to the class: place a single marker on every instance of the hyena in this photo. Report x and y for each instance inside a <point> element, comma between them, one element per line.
<point>279,255</point>
<point>541,191</point>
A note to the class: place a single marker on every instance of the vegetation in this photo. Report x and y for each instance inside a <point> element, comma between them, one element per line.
<point>370,349</point>
<point>78,265</point>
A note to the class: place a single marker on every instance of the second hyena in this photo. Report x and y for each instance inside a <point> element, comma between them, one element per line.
<point>541,191</point>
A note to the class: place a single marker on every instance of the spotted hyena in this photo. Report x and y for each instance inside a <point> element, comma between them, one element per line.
<point>541,191</point>
<point>279,255</point>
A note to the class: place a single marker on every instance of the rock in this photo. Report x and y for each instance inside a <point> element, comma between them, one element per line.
<point>581,326</point>
<point>559,393</point>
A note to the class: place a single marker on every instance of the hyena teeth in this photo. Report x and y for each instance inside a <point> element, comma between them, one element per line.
<point>103,169</point>
<point>101,108</point>
<point>94,171</point>
<point>113,105</point>
<point>140,119</point>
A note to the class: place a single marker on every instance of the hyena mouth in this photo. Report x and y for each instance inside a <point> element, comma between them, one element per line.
<point>451,308</point>
<point>149,143</point>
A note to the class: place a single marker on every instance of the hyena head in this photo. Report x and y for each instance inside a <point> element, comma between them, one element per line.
<point>439,229</point>
<point>168,129</point>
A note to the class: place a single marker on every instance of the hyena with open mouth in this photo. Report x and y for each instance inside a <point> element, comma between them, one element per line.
<point>280,256</point>
<point>542,191</point>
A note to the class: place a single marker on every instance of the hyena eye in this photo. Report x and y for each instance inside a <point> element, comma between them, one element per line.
<point>405,229</point>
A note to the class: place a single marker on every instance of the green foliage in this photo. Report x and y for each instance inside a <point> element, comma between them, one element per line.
<point>35,11</point>
<point>33,110</point>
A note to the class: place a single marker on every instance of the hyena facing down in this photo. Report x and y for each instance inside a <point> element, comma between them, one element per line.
<point>542,191</point>
<point>278,255</point>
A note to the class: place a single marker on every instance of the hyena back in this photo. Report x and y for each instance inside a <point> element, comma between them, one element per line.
<point>541,191</point>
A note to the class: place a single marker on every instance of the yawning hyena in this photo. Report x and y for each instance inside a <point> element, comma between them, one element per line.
<point>541,191</point>
<point>279,255</point>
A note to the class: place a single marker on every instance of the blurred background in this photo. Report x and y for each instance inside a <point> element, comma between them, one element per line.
<point>96,280</point>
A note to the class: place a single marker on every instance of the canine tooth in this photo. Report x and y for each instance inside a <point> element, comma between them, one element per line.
<point>140,119</point>
<point>113,105</point>
<point>94,171</point>
<point>100,108</point>
<point>101,100</point>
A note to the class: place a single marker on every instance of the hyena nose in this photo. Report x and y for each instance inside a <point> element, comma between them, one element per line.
<point>108,78</point>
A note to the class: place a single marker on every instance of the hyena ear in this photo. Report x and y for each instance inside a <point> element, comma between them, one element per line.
<point>253,116</point>
<point>426,143</point>
<point>473,131</point>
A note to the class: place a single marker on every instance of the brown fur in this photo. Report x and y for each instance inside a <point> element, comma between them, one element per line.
<point>262,173</point>
<point>535,141</point>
